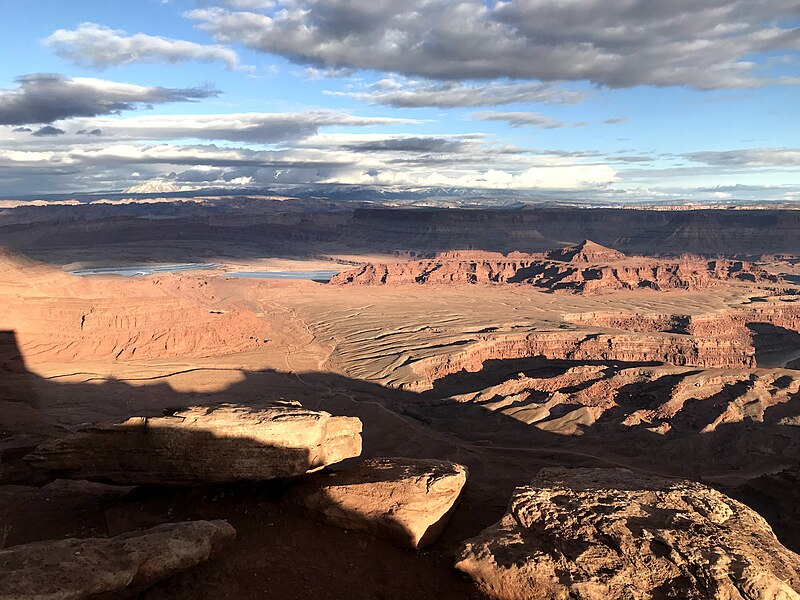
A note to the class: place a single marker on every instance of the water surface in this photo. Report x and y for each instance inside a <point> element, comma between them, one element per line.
<point>319,275</point>
<point>139,270</point>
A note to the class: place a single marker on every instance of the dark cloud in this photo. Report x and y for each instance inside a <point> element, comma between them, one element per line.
<point>615,121</point>
<point>753,157</point>
<point>48,130</point>
<point>43,98</point>
<point>89,132</point>
<point>22,130</point>
<point>618,43</point>
<point>416,145</point>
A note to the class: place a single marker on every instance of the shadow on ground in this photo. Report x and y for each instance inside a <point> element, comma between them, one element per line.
<point>279,549</point>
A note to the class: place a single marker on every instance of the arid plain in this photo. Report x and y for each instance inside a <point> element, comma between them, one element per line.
<point>507,341</point>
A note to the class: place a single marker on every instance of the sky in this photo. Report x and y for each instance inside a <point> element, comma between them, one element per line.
<point>603,100</point>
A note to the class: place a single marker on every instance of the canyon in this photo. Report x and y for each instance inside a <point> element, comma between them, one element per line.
<point>532,359</point>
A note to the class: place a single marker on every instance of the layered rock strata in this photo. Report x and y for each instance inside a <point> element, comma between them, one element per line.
<point>587,268</point>
<point>583,346</point>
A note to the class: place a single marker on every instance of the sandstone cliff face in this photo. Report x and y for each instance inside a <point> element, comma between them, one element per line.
<point>725,339</point>
<point>577,346</point>
<point>315,226</point>
<point>595,534</point>
<point>729,324</point>
<point>728,232</point>
<point>587,268</point>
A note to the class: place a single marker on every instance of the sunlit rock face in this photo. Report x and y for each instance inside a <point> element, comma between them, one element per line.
<point>221,444</point>
<point>404,501</point>
<point>612,533</point>
<point>586,268</point>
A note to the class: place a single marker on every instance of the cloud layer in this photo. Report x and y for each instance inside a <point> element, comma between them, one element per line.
<point>523,119</point>
<point>44,98</point>
<point>400,93</point>
<point>257,128</point>
<point>618,43</point>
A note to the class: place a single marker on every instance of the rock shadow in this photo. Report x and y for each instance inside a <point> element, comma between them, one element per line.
<point>500,451</point>
<point>775,346</point>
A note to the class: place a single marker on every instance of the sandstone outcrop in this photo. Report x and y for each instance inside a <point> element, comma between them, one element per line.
<point>122,566</point>
<point>587,251</point>
<point>404,501</point>
<point>221,444</point>
<point>610,533</point>
<point>60,317</point>
<point>587,268</point>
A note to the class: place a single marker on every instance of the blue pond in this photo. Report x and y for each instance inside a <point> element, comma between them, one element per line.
<point>139,270</point>
<point>312,275</point>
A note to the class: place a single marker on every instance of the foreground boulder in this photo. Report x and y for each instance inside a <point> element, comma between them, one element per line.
<point>609,533</point>
<point>222,444</point>
<point>403,501</point>
<point>73,569</point>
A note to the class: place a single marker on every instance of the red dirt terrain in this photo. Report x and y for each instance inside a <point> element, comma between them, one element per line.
<point>556,357</point>
<point>62,317</point>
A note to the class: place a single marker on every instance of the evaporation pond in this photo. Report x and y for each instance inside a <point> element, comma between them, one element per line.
<point>139,270</point>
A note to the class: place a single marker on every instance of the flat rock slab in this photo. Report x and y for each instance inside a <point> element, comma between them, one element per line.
<point>406,502</point>
<point>609,533</point>
<point>74,569</point>
<point>222,444</point>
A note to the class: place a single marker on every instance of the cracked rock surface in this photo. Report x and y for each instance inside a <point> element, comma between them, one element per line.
<point>610,533</point>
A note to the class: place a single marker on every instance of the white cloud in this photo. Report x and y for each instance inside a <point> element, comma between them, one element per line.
<point>100,47</point>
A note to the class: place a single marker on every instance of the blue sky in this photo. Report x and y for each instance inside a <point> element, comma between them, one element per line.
<point>619,100</point>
